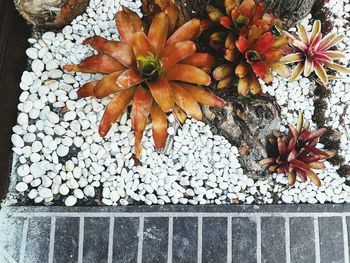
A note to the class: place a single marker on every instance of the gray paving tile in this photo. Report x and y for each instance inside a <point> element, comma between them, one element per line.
<point>243,240</point>
<point>302,240</point>
<point>347,220</point>
<point>155,240</point>
<point>96,233</point>
<point>273,246</point>
<point>66,240</point>
<point>331,239</point>
<point>185,229</point>
<point>11,227</point>
<point>38,240</point>
<point>214,240</point>
<point>125,239</point>
<point>185,239</point>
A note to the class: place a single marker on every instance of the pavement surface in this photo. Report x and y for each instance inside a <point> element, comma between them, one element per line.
<point>267,233</point>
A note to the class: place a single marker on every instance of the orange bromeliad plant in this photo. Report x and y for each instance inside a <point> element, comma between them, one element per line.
<point>157,73</point>
<point>251,48</point>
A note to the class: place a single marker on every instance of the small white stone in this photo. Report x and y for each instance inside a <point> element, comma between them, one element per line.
<point>78,193</point>
<point>55,74</point>
<point>17,141</point>
<point>53,117</point>
<point>62,150</point>
<point>38,66</point>
<point>23,170</point>
<point>22,119</point>
<point>36,146</point>
<point>32,53</point>
<point>69,116</point>
<point>89,191</point>
<point>64,190</point>
<point>72,183</point>
<point>21,187</point>
<point>45,193</point>
<point>70,200</point>
<point>33,193</point>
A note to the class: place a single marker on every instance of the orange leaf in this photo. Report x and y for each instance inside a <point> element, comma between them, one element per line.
<point>128,79</point>
<point>203,96</point>
<point>241,70</point>
<point>264,43</point>
<point>125,27</point>
<point>242,44</point>
<point>247,8</point>
<point>255,87</point>
<point>115,109</point>
<point>158,32</point>
<point>107,85</point>
<point>159,126</point>
<point>171,55</point>
<point>172,11</point>
<point>87,89</point>
<point>188,73</point>
<point>186,102</point>
<point>161,92</point>
<point>243,86</point>
<point>225,83</point>
<point>141,46</point>
<point>118,50</point>
<point>260,69</point>
<point>179,114</point>
<point>141,108</point>
<point>188,31</point>
<point>134,18</point>
<point>200,60</point>
<point>96,64</point>
<point>224,71</point>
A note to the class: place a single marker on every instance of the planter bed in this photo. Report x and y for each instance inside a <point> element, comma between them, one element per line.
<point>59,157</point>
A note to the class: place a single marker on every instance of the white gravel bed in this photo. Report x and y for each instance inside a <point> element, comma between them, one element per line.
<point>59,152</point>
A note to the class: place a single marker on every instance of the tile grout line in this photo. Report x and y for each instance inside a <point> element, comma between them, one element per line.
<point>346,240</point>
<point>24,240</point>
<point>199,239</point>
<point>139,249</point>
<point>175,214</point>
<point>258,239</point>
<point>52,238</point>
<point>81,240</point>
<point>170,240</point>
<point>287,231</point>
<point>229,239</point>
<point>317,240</point>
<point>110,239</point>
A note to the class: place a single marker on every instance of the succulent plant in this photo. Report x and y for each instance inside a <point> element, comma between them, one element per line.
<point>252,47</point>
<point>157,73</point>
<point>312,51</point>
<point>297,154</point>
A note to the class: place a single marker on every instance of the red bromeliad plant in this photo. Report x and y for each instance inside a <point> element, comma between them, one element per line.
<point>250,45</point>
<point>157,73</point>
<point>313,52</point>
<point>296,154</point>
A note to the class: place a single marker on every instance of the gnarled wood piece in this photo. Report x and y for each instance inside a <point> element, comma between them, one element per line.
<point>50,13</point>
<point>290,11</point>
<point>246,124</point>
